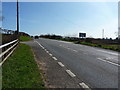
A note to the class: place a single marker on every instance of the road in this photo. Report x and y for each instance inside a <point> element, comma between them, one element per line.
<point>96,67</point>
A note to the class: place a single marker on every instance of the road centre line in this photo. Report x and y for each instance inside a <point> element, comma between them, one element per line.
<point>108,62</point>
<point>54,58</point>
<point>61,64</point>
<point>70,73</point>
<point>83,85</point>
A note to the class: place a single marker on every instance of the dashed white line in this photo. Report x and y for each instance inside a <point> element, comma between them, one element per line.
<point>75,50</point>
<point>61,64</point>
<point>108,62</point>
<point>54,58</point>
<point>47,51</point>
<point>70,73</point>
<point>83,85</point>
<point>50,54</point>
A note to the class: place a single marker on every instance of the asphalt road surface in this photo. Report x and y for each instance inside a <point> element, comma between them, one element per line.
<point>96,67</point>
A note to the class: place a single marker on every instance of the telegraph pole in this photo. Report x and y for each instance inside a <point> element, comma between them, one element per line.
<point>17,19</point>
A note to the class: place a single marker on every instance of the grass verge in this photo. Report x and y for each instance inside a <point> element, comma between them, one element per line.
<point>25,38</point>
<point>110,47</point>
<point>20,70</point>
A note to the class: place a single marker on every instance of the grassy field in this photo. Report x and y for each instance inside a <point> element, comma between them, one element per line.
<point>25,38</point>
<point>21,71</point>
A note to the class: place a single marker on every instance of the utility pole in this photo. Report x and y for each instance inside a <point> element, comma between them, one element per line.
<point>17,19</point>
<point>103,34</point>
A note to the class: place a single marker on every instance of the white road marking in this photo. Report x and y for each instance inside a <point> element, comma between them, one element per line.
<point>43,48</point>
<point>70,73</point>
<point>61,64</point>
<point>54,58</point>
<point>75,50</point>
<point>108,52</point>
<point>47,51</point>
<point>50,54</point>
<point>40,45</point>
<point>108,62</point>
<point>83,85</point>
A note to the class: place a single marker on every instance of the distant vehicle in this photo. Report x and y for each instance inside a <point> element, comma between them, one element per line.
<point>36,37</point>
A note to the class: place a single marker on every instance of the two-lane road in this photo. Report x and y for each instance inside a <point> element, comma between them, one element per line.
<point>98,68</point>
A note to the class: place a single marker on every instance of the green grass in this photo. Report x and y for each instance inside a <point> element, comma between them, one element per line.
<point>25,38</point>
<point>110,47</point>
<point>21,71</point>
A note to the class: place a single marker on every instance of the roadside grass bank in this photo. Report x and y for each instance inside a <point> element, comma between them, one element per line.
<point>110,47</point>
<point>25,38</point>
<point>20,70</point>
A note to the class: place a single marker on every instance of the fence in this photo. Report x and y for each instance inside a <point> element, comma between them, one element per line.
<point>7,50</point>
<point>9,43</point>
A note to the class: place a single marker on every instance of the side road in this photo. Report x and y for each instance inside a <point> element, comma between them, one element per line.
<point>54,75</point>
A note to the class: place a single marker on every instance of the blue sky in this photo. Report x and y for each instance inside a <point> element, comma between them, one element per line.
<point>63,18</point>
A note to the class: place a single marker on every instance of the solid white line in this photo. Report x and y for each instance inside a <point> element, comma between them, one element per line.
<point>50,54</point>
<point>54,58</point>
<point>83,85</point>
<point>70,73</point>
<point>108,62</point>
<point>61,64</point>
